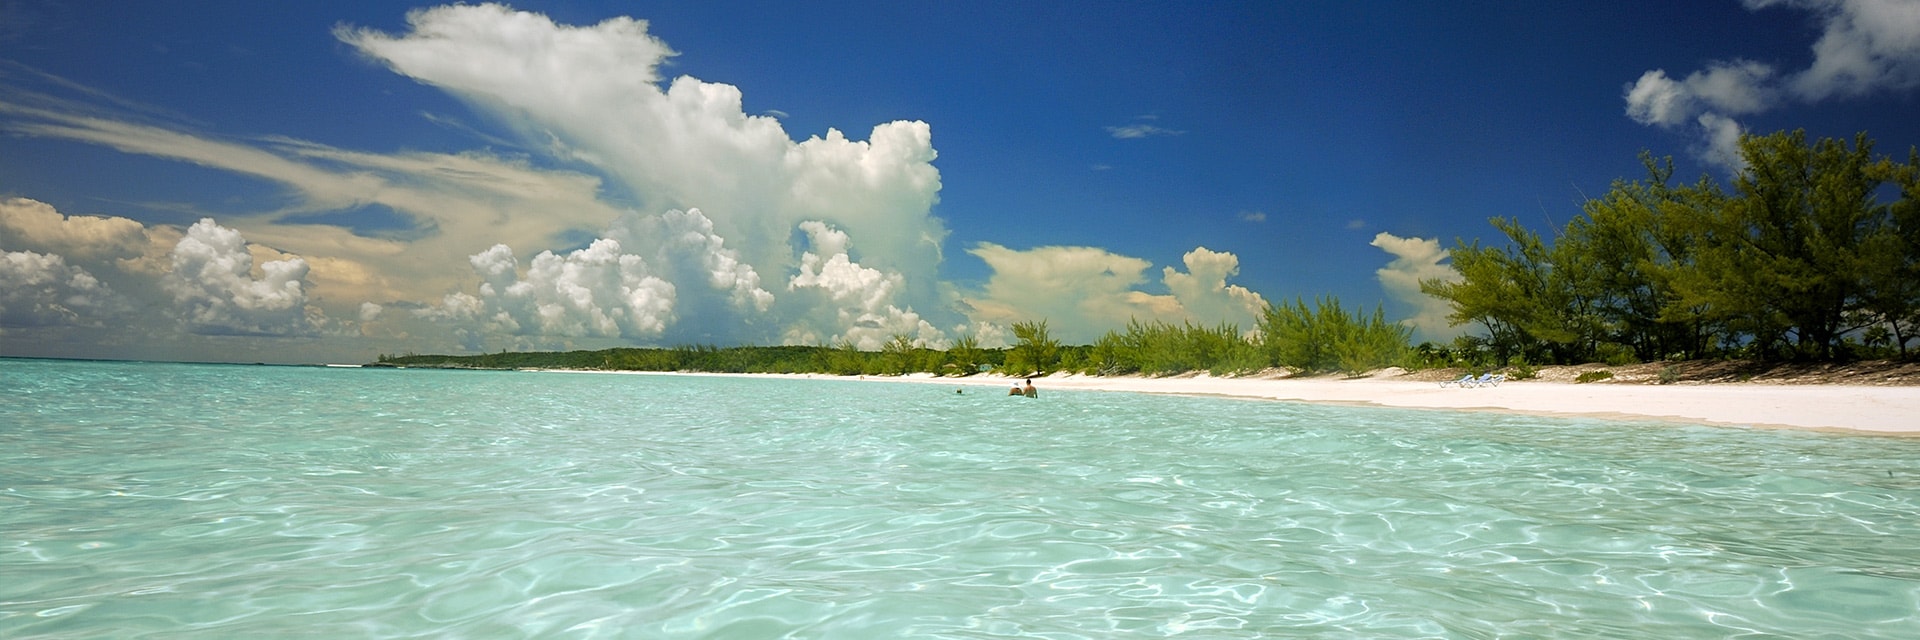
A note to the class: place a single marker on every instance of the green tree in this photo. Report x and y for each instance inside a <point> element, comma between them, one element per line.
<point>1633,243</point>
<point>1784,262</point>
<point>1891,261</point>
<point>1800,257</point>
<point>1528,308</point>
<point>965,355</point>
<point>846,359</point>
<point>897,356</point>
<point>1034,351</point>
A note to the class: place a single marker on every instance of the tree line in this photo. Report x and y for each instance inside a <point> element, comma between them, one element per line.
<point>1319,338</point>
<point>1812,255</point>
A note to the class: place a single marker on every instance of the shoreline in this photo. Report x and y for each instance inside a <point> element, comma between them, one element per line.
<point>1873,410</point>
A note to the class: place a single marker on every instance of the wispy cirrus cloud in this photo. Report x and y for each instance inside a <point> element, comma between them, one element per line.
<point>459,202</point>
<point>1142,127</point>
<point>723,197</point>
<point>1141,130</point>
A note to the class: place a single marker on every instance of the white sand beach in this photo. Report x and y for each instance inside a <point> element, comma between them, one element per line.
<point>1873,409</point>
<point>1886,410</point>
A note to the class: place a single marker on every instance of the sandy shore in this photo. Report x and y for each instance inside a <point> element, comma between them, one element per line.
<point>1884,410</point>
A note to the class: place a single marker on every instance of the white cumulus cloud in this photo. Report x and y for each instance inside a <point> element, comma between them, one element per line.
<point>849,302</point>
<point>1084,292</point>
<point>30,223</point>
<point>593,292</point>
<point>40,289</point>
<point>685,250</point>
<point>1739,87</point>
<point>216,293</point>
<point>455,204</point>
<point>594,94</point>
<point>1416,260</point>
<point>1204,293</point>
<point>1865,47</point>
<point>1719,142</point>
<point>731,190</point>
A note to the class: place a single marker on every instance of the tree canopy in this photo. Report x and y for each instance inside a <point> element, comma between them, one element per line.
<point>1810,256</point>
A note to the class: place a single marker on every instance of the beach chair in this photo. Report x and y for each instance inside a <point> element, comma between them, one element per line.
<point>1490,380</point>
<point>1464,381</point>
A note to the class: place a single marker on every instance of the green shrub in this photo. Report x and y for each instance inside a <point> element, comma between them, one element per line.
<point>1616,355</point>
<point>1523,370</point>
<point>1594,376</point>
<point>1669,374</point>
<point>1165,349</point>
<point>1325,337</point>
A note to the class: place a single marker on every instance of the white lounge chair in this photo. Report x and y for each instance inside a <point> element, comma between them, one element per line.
<point>1464,381</point>
<point>1490,380</point>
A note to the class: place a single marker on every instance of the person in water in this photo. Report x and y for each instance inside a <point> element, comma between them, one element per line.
<point>1030,391</point>
<point>1016,390</point>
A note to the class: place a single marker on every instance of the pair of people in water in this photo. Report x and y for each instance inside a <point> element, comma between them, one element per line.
<point>1027,391</point>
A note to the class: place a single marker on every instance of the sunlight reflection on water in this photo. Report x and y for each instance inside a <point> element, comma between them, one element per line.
<point>194,500</point>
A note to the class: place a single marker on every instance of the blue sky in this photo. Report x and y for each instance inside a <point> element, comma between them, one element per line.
<point>299,182</point>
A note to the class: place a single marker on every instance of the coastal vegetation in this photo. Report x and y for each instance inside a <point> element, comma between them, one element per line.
<point>1319,339</point>
<point>1813,255</point>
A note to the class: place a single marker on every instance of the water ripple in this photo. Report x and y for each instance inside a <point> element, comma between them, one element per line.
<point>188,501</point>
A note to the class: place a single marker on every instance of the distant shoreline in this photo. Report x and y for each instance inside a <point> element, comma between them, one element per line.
<point>1856,409</point>
<point>1878,401</point>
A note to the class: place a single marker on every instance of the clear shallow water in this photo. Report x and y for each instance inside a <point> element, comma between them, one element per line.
<point>171,500</point>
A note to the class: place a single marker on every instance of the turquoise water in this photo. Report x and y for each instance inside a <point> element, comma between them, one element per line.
<point>171,500</point>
